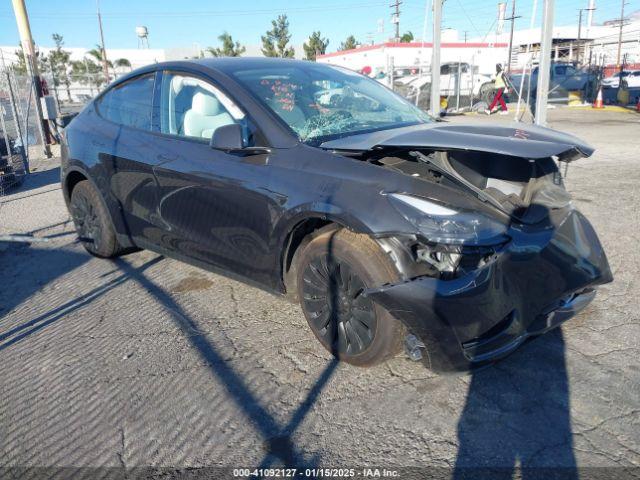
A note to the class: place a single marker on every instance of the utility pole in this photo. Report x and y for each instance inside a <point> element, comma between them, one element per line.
<point>579,35</point>
<point>620,32</point>
<point>435,59</point>
<point>105,64</point>
<point>395,17</point>
<point>513,21</point>
<point>590,10</point>
<point>29,51</point>
<point>544,68</point>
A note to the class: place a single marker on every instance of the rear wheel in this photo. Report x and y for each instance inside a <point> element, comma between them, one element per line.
<point>332,273</point>
<point>92,221</point>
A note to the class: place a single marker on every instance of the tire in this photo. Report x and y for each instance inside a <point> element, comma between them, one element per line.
<point>92,221</point>
<point>332,271</point>
<point>486,93</point>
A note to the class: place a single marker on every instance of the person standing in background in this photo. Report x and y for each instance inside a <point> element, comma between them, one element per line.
<point>500,86</point>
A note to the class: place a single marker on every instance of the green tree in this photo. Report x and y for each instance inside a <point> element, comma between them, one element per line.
<point>349,44</point>
<point>122,63</point>
<point>229,47</point>
<point>96,53</point>
<point>407,37</point>
<point>316,46</point>
<point>274,42</point>
<point>58,61</point>
<point>87,72</point>
<point>20,67</point>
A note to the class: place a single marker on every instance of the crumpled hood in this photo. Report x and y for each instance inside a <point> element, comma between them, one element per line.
<point>527,141</point>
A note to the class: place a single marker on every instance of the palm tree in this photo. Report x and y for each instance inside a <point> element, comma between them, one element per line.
<point>122,63</point>
<point>97,54</point>
<point>407,37</point>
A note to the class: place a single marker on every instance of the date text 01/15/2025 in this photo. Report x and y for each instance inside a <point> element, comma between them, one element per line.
<point>315,472</point>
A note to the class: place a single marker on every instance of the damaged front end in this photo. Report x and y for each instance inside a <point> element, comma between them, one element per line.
<point>487,301</point>
<point>477,282</point>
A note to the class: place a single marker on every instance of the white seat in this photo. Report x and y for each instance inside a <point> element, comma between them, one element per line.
<point>294,116</point>
<point>206,114</point>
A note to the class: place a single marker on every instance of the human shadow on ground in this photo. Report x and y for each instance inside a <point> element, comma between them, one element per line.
<point>516,421</point>
<point>277,439</point>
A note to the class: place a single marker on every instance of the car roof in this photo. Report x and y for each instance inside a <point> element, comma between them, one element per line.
<point>229,64</point>
<point>226,65</point>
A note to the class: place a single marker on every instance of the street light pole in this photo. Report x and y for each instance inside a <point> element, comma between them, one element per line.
<point>544,68</point>
<point>435,59</point>
<point>590,10</point>
<point>29,51</point>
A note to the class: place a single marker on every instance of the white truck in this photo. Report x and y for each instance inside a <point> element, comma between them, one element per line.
<point>471,82</point>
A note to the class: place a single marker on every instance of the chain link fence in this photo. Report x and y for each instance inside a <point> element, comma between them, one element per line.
<point>19,135</point>
<point>462,87</point>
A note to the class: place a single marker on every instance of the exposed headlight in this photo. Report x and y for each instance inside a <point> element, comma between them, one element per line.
<point>441,224</point>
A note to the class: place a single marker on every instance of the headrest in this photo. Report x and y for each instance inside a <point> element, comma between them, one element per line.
<point>176,84</point>
<point>205,104</point>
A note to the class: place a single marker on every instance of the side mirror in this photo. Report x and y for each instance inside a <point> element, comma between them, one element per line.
<point>227,138</point>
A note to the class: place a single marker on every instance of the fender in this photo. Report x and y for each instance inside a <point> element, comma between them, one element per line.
<point>113,207</point>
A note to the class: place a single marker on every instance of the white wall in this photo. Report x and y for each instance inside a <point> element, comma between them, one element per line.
<point>485,56</point>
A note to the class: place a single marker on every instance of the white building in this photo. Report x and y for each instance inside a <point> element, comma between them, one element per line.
<point>407,55</point>
<point>138,57</point>
<point>598,42</point>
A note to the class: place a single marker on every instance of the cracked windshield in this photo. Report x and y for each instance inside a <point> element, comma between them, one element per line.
<point>324,103</point>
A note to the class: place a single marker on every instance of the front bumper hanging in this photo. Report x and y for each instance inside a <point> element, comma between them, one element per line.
<point>538,280</point>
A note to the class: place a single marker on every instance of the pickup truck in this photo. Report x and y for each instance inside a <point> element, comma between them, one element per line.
<point>565,78</point>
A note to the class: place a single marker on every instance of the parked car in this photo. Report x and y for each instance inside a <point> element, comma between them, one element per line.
<point>632,80</point>
<point>613,81</point>
<point>387,227</point>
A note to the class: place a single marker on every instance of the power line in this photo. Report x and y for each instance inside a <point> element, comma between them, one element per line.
<point>206,13</point>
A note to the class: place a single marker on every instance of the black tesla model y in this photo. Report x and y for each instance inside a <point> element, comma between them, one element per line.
<point>318,183</point>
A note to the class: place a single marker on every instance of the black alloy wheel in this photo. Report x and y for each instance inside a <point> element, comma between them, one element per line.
<point>333,269</point>
<point>340,313</point>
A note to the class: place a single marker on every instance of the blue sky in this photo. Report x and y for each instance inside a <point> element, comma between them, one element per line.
<point>183,23</point>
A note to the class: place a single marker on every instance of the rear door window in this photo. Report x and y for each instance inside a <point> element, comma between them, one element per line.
<point>129,103</point>
<point>561,70</point>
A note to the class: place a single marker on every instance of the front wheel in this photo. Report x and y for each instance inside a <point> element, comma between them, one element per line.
<point>332,273</point>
